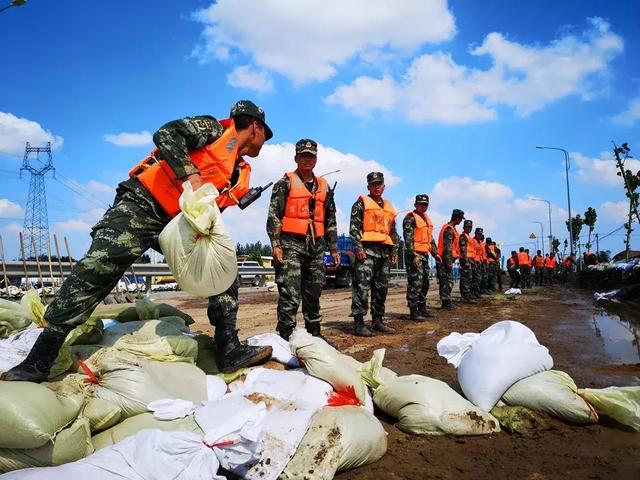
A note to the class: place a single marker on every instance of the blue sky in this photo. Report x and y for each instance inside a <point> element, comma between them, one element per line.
<point>448,99</point>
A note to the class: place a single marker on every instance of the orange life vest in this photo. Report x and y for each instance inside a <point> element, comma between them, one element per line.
<point>550,262</point>
<point>296,212</point>
<point>539,261</point>
<point>215,162</point>
<point>471,249</point>
<point>510,262</point>
<point>523,259</point>
<point>377,221</point>
<point>455,248</point>
<point>480,250</point>
<point>423,234</point>
<point>492,249</point>
<point>568,262</point>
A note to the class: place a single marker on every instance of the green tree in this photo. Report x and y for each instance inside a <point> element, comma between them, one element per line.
<point>604,256</point>
<point>255,256</point>
<point>631,184</point>
<point>576,228</point>
<point>590,217</point>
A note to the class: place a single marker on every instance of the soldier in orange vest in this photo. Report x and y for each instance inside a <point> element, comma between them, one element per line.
<point>199,149</point>
<point>449,251</point>
<point>550,267</point>
<point>467,261</point>
<point>480,273</point>
<point>492,264</point>
<point>538,263</point>
<point>417,230</point>
<point>523,266</point>
<point>301,224</point>
<point>373,232</point>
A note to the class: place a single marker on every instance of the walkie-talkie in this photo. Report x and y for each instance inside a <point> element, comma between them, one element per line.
<point>252,195</point>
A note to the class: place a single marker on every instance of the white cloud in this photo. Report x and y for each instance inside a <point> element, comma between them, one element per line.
<point>246,77</point>
<point>8,209</point>
<point>71,226</point>
<point>525,77</point>
<point>630,115</point>
<point>307,41</point>
<point>15,132</point>
<point>13,227</point>
<point>614,212</point>
<point>601,171</point>
<point>125,139</point>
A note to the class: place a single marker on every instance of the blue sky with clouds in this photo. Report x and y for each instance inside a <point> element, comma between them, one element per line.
<point>447,98</point>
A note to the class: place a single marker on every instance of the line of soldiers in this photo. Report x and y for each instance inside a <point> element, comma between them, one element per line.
<point>523,269</point>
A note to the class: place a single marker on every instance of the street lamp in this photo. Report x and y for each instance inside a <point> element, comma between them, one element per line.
<point>542,233</point>
<point>14,3</point>
<point>550,232</point>
<point>566,165</point>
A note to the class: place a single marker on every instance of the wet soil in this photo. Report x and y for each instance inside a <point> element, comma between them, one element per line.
<point>579,338</point>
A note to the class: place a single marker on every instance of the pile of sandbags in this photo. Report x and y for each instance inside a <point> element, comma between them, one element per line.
<point>15,317</point>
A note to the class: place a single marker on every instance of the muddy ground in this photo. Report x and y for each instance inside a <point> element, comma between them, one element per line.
<point>583,341</point>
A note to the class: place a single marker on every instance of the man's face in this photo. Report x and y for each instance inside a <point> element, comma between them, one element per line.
<point>376,189</point>
<point>468,229</point>
<point>421,207</point>
<point>257,139</point>
<point>306,162</point>
<point>456,220</point>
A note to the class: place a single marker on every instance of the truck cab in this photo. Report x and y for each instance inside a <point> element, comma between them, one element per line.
<point>340,276</point>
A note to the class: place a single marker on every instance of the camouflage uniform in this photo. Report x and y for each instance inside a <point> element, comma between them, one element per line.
<point>467,266</point>
<point>445,271</point>
<point>417,277</point>
<point>302,275</point>
<point>372,272</point>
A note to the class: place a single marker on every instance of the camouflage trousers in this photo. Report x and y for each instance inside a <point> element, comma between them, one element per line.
<point>129,228</point>
<point>300,280</point>
<point>466,278</point>
<point>445,283</point>
<point>526,276</point>
<point>514,275</point>
<point>492,275</point>
<point>476,282</point>
<point>417,281</point>
<point>371,275</point>
<point>539,276</point>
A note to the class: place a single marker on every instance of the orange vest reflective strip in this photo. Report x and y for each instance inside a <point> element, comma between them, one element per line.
<point>423,234</point>
<point>550,262</point>
<point>471,249</point>
<point>455,247</point>
<point>377,221</point>
<point>492,249</point>
<point>539,261</point>
<point>296,218</point>
<point>215,162</point>
<point>523,259</point>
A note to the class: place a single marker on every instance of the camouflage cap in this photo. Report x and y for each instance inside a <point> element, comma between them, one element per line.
<point>468,223</point>
<point>488,239</point>
<point>247,107</point>
<point>375,177</point>
<point>479,230</point>
<point>306,145</point>
<point>457,213</point>
<point>422,198</point>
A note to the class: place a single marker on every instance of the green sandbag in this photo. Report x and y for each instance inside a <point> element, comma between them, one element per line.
<point>145,309</point>
<point>133,425</point>
<point>619,403</point>
<point>101,414</point>
<point>15,317</point>
<point>32,414</point>
<point>69,445</point>
<point>519,420</point>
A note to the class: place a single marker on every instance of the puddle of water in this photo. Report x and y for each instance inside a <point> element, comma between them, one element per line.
<point>621,337</point>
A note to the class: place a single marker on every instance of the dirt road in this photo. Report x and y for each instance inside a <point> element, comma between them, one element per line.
<point>582,341</point>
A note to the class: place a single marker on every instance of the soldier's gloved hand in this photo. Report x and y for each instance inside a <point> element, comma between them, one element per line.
<point>278,255</point>
<point>416,261</point>
<point>336,258</point>
<point>438,258</point>
<point>360,255</point>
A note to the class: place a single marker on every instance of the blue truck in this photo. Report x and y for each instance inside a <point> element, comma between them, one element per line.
<point>340,276</point>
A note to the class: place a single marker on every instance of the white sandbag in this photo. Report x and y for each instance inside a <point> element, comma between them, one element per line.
<point>32,414</point>
<point>513,291</point>
<point>171,408</point>
<point>347,437</point>
<point>161,340</point>
<point>281,349</point>
<point>620,403</point>
<point>325,362</point>
<point>69,445</point>
<point>216,387</point>
<point>15,348</point>
<point>372,372</point>
<point>196,246</point>
<point>490,363</point>
<point>15,317</point>
<point>551,392</point>
<point>424,405</point>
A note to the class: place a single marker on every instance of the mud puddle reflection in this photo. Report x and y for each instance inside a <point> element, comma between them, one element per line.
<point>621,337</point>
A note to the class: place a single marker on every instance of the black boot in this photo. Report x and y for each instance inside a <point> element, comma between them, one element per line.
<point>233,355</point>
<point>359,328</point>
<point>379,325</point>
<point>416,315</point>
<point>448,305</point>
<point>43,354</point>
<point>285,332</point>
<point>314,330</point>
<point>424,311</point>
<point>469,300</point>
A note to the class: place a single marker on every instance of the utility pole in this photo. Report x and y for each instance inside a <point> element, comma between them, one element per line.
<point>36,220</point>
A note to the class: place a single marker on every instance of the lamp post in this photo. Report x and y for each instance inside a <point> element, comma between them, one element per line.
<point>566,165</point>
<point>14,3</point>
<point>550,231</point>
<point>542,233</point>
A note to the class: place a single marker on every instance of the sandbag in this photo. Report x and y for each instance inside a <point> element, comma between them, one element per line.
<point>325,362</point>
<point>32,414</point>
<point>161,340</point>
<point>490,362</point>
<point>131,383</point>
<point>424,405</point>
<point>15,317</point>
<point>69,445</point>
<point>619,403</point>
<point>551,392</point>
<point>101,414</point>
<point>372,372</point>
<point>133,425</point>
<point>338,439</point>
<point>196,246</point>
<point>145,309</point>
